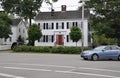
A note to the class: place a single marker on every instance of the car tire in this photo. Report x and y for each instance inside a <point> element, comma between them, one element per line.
<point>119,58</point>
<point>95,57</point>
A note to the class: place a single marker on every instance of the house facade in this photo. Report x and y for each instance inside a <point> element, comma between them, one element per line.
<point>19,29</point>
<point>55,27</point>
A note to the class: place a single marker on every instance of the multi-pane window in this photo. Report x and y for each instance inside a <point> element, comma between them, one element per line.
<point>47,26</point>
<point>62,25</point>
<point>38,24</point>
<point>47,38</point>
<point>67,25</point>
<point>43,25</point>
<point>67,38</point>
<point>56,25</point>
<point>75,24</point>
<point>52,25</point>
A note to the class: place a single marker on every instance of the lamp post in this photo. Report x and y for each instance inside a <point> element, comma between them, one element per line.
<point>82,23</point>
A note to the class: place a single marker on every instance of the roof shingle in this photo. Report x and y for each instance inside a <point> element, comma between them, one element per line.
<point>62,15</point>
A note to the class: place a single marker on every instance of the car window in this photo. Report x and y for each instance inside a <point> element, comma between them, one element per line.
<point>115,48</point>
<point>108,48</point>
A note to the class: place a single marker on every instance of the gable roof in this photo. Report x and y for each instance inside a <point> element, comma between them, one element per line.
<point>15,22</point>
<point>62,15</point>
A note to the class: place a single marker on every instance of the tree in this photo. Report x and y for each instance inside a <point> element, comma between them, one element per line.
<point>106,17</point>
<point>24,8</point>
<point>75,34</point>
<point>5,28</point>
<point>34,33</point>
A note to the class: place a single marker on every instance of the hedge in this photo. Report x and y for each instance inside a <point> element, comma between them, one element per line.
<point>49,49</point>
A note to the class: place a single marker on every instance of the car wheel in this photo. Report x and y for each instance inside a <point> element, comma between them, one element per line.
<point>95,57</point>
<point>119,57</point>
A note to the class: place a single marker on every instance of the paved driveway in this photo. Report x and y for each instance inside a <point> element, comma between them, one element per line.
<point>18,65</point>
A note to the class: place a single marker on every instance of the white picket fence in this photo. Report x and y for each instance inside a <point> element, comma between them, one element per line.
<point>5,47</point>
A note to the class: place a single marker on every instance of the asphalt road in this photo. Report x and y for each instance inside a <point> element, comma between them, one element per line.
<point>18,65</point>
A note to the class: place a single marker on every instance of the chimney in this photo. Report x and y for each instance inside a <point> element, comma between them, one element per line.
<point>63,8</point>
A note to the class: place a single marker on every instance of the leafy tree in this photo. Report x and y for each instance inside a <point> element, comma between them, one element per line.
<point>34,33</point>
<point>24,8</point>
<point>5,29</point>
<point>75,34</point>
<point>106,17</point>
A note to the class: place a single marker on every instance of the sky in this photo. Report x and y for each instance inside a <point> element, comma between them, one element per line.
<point>71,5</point>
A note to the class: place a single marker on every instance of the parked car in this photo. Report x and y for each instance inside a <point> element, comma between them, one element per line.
<point>109,52</point>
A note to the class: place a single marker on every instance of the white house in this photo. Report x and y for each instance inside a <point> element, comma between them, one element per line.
<point>56,27</point>
<point>1,8</point>
<point>18,28</point>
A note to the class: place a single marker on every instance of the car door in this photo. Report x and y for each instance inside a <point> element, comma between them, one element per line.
<point>115,51</point>
<point>108,52</point>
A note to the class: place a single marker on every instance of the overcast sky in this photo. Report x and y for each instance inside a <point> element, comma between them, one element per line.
<point>71,5</point>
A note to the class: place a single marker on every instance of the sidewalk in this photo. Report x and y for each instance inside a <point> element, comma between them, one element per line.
<point>6,51</point>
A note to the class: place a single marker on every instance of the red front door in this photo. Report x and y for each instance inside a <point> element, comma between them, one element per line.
<point>59,39</point>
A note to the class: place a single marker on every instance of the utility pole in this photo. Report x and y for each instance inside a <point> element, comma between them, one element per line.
<point>83,4</point>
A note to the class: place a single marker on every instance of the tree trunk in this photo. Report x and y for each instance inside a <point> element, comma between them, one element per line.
<point>30,21</point>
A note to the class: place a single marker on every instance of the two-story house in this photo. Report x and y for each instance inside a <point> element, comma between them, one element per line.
<point>56,27</point>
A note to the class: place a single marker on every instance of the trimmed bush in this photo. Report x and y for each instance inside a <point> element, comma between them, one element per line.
<point>49,49</point>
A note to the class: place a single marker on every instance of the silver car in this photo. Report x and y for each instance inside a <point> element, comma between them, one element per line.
<point>109,52</point>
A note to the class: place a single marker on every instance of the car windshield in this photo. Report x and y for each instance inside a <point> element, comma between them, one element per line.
<point>100,48</point>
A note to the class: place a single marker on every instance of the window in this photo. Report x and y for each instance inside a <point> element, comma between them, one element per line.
<point>46,25</point>
<point>56,25</point>
<point>52,38</point>
<point>46,38</point>
<point>52,25</point>
<point>67,38</point>
<point>38,24</point>
<point>62,25</point>
<point>43,25</point>
<point>67,25</point>
<point>73,24</point>
<point>76,23</point>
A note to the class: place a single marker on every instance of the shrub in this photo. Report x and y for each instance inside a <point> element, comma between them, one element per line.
<point>48,49</point>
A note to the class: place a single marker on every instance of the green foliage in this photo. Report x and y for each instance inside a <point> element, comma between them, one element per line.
<point>34,33</point>
<point>49,49</point>
<point>106,17</point>
<point>75,34</point>
<point>24,8</point>
<point>5,29</point>
<point>102,40</point>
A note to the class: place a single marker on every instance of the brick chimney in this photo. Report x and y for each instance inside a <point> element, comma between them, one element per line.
<point>63,8</point>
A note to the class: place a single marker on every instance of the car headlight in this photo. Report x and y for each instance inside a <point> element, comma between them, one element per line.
<point>87,52</point>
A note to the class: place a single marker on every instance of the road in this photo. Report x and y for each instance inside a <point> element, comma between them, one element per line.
<point>18,65</point>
